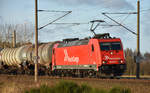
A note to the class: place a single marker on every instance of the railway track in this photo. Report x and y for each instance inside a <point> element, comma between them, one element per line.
<point>78,78</point>
<point>133,78</point>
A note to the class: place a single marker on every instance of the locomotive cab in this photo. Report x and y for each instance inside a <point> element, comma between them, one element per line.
<point>112,56</point>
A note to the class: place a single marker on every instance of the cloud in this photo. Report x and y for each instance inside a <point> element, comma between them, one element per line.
<point>60,32</point>
<point>145,24</point>
<point>56,33</point>
<point>104,3</point>
<point>144,32</point>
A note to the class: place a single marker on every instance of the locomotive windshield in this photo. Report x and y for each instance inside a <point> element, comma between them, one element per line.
<point>110,46</point>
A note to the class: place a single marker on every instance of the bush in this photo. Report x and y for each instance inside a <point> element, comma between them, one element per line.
<point>66,87</point>
<point>120,90</point>
<point>42,89</point>
<point>71,87</point>
<point>99,91</point>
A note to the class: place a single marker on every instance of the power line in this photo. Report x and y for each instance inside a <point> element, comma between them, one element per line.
<point>126,12</point>
<point>70,23</point>
<point>83,24</point>
<point>120,13</point>
<point>145,10</point>
<point>52,11</point>
<point>55,20</point>
<point>119,23</point>
<point>125,18</point>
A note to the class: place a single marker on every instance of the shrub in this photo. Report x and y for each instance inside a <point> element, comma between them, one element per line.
<point>66,87</point>
<point>71,87</point>
<point>120,90</point>
<point>99,91</point>
<point>42,89</point>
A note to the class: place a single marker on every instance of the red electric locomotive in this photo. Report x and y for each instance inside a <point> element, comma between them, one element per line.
<point>100,54</point>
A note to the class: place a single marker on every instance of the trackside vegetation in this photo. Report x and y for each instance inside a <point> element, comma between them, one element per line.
<point>71,87</point>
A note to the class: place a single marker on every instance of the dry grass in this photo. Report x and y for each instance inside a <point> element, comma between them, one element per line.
<point>17,84</point>
<point>134,76</point>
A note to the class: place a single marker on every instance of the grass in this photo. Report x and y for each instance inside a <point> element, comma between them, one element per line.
<point>120,90</point>
<point>71,87</point>
<point>141,76</point>
<point>18,84</point>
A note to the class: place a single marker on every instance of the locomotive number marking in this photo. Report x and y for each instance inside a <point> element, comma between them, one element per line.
<point>107,57</point>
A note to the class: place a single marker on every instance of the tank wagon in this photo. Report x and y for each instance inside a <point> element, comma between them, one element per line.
<point>100,54</point>
<point>21,60</point>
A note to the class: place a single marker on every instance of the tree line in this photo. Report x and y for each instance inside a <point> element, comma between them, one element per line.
<point>131,64</point>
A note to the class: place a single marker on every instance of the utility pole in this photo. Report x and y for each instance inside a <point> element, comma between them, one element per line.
<point>36,43</point>
<point>138,40</point>
<point>14,39</point>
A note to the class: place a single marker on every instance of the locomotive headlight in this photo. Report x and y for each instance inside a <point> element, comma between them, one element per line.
<point>104,62</point>
<point>121,61</point>
<point>111,53</point>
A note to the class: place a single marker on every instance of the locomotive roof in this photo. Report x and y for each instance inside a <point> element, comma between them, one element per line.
<point>74,43</point>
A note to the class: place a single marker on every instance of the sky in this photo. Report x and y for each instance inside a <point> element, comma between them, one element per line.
<point>83,11</point>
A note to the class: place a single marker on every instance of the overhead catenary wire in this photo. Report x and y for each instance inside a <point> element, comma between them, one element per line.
<point>69,23</point>
<point>119,23</point>
<point>41,10</point>
<point>125,18</point>
<point>52,11</point>
<point>122,14</point>
<point>85,23</point>
<point>68,12</point>
<point>82,24</point>
<point>145,10</point>
<point>126,12</point>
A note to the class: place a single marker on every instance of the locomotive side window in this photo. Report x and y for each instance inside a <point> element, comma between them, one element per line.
<point>92,47</point>
<point>110,46</point>
<point>53,51</point>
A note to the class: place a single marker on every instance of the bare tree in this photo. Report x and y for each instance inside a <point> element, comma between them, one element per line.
<point>24,33</point>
